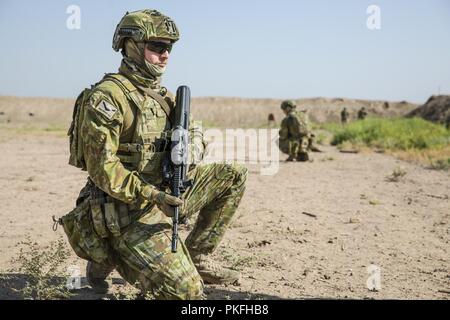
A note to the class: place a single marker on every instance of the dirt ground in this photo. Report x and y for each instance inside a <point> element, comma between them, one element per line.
<point>309,231</point>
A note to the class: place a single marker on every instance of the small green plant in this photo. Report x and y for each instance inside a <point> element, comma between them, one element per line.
<point>43,269</point>
<point>236,261</point>
<point>396,174</point>
<point>440,164</point>
<point>128,292</point>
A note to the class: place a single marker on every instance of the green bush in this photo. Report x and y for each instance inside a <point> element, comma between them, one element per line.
<point>43,269</point>
<point>391,134</point>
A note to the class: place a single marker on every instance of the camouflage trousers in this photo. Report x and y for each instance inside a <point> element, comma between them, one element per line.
<point>142,253</point>
<point>293,147</point>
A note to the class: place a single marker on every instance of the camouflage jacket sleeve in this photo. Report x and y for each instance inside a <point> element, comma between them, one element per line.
<point>101,128</point>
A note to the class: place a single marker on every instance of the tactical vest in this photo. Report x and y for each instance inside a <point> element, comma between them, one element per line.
<point>151,139</point>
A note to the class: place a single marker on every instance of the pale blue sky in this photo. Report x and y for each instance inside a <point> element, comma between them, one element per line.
<point>251,48</point>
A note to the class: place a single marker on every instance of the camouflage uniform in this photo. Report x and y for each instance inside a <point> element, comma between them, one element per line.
<point>295,133</point>
<point>362,113</point>
<point>344,115</point>
<point>121,139</point>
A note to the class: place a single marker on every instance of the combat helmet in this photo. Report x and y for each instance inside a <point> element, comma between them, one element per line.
<point>144,25</point>
<point>288,104</point>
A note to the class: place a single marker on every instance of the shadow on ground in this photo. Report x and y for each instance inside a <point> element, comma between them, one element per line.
<point>214,293</point>
<point>12,284</point>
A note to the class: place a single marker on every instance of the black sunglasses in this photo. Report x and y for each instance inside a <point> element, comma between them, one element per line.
<point>158,47</point>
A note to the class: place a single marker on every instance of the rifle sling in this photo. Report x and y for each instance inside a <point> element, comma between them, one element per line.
<point>128,86</point>
<point>165,106</point>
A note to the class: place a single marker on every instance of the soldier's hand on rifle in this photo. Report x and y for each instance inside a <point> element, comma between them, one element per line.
<point>166,203</point>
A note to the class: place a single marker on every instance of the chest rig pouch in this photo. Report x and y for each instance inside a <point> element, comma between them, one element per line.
<point>151,138</point>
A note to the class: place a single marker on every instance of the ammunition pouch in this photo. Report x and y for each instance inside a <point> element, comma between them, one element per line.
<point>147,158</point>
<point>96,218</point>
<point>79,228</point>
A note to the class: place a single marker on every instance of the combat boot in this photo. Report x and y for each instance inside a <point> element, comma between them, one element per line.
<point>303,156</point>
<point>290,158</point>
<point>96,275</point>
<point>212,272</point>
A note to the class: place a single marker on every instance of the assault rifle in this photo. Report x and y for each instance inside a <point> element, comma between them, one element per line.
<point>175,168</point>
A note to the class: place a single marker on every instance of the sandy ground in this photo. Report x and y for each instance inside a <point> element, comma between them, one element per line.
<point>355,218</point>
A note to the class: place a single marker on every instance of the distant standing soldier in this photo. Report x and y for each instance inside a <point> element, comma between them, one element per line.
<point>344,115</point>
<point>447,121</point>
<point>295,133</point>
<point>362,113</point>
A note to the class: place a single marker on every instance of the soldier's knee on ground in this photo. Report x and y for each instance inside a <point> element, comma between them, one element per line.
<point>186,288</point>
<point>175,279</point>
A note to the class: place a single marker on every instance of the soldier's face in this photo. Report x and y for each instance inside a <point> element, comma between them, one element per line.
<point>160,59</point>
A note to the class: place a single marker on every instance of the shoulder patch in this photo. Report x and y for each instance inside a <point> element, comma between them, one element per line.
<point>106,108</point>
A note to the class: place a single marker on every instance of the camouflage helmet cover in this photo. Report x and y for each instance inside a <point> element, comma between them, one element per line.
<point>288,104</point>
<point>144,25</point>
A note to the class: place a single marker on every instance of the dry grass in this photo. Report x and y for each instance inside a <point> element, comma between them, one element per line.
<point>396,175</point>
<point>356,147</point>
<point>435,158</point>
<point>213,111</point>
<point>7,130</point>
<point>245,113</point>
